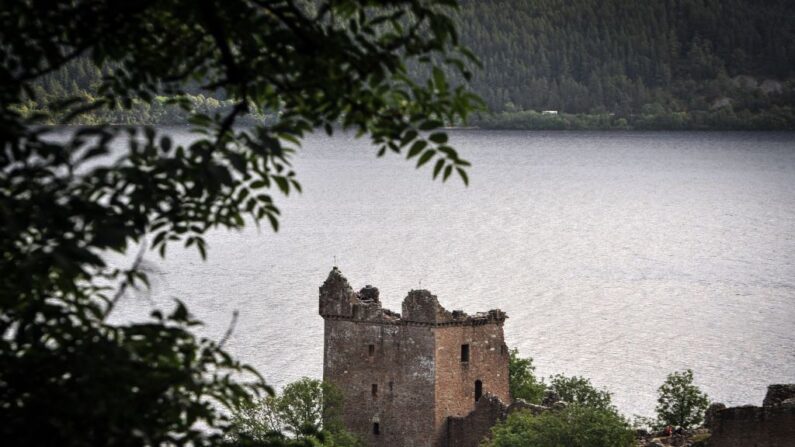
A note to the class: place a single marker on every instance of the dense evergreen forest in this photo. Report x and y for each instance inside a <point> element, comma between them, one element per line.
<point>731,62</point>
<point>674,64</point>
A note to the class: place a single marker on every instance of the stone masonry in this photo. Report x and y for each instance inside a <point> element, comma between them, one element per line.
<point>404,375</point>
<point>771,425</point>
<point>472,429</point>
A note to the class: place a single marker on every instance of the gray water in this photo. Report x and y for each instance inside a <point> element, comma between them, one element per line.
<point>618,256</point>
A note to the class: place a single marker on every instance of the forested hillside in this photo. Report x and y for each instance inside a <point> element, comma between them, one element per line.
<point>600,64</point>
<point>581,56</point>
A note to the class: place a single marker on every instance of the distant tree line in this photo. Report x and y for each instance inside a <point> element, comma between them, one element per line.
<point>627,57</point>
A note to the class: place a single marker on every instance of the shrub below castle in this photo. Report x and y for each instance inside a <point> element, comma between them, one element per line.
<point>574,426</point>
<point>305,414</point>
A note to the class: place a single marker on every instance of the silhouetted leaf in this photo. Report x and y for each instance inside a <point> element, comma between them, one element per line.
<point>425,157</point>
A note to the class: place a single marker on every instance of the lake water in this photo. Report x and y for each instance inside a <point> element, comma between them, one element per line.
<point>617,256</point>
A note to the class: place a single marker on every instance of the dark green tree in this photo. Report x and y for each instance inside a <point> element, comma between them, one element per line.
<point>522,379</point>
<point>68,376</point>
<point>680,402</point>
<point>574,426</point>
<point>580,391</point>
<point>307,409</point>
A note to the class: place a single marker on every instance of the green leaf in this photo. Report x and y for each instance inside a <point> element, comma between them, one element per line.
<point>273,221</point>
<point>238,161</point>
<point>416,148</point>
<point>463,176</point>
<point>426,156</point>
<point>282,183</point>
<point>447,172</point>
<point>438,167</point>
<point>296,185</point>
<point>180,313</point>
<point>257,184</point>
<point>408,137</point>
<point>438,138</point>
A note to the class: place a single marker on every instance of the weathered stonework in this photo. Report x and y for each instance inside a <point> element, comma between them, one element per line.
<point>771,425</point>
<point>777,395</point>
<point>470,430</point>
<point>403,375</point>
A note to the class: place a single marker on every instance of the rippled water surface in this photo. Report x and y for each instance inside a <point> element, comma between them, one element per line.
<point>617,256</point>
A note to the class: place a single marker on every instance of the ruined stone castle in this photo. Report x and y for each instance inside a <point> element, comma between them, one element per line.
<point>410,379</point>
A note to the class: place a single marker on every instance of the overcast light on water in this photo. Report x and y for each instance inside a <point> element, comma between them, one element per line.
<point>617,256</point>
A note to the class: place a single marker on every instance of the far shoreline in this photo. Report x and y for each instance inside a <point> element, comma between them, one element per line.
<point>187,126</point>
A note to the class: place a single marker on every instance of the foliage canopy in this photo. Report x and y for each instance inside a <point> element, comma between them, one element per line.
<point>306,410</point>
<point>580,391</point>
<point>68,376</point>
<point>522,380</point>
<point>574,426</point>
<point>680,402</point>
<point>624,56</point>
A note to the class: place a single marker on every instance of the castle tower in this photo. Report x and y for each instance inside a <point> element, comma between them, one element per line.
<point>403,375</point>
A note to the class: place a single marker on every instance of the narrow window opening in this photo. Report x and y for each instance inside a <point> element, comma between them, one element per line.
<point>502,349</point>
<point>375,390</point>
<point>376,429</point>
<point>391,384</point>
<point>465,353</point>
<point>478,390</point>
<point>371,350</point>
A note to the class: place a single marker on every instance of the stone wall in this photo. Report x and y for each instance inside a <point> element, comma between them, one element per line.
<point>336,296</point>
<point>470,430</point>
<point>778,394</point>
<point>455,380</point>
<point>400,366</point>
<point>405,374</point>
<point>754,427</point>
<point>772,425</point>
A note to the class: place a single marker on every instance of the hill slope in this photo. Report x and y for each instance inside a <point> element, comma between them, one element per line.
<point>614,63</point>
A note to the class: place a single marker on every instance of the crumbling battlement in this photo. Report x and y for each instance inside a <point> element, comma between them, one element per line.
<point>778,395</point>
<point>402,375</point>
<point>420,307</point>
<point>771,425</point>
